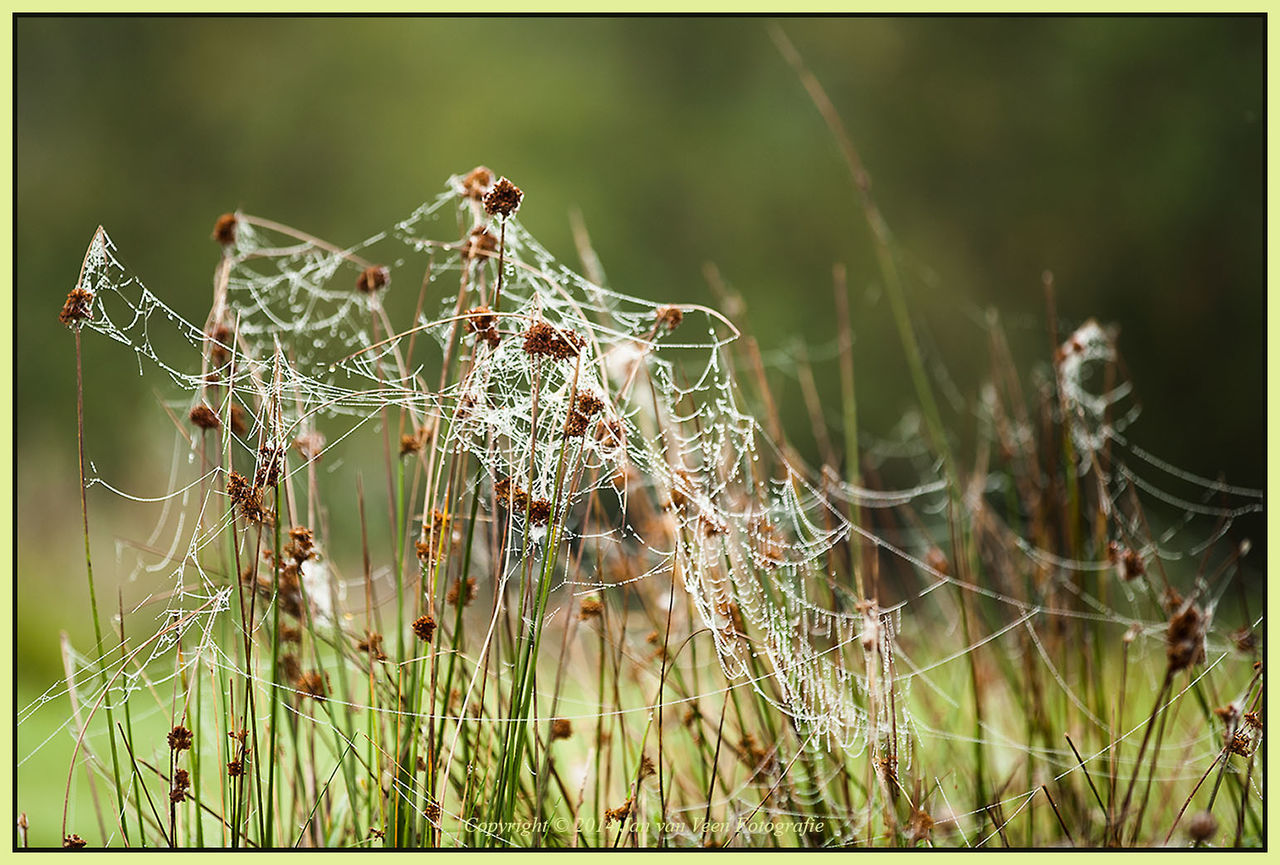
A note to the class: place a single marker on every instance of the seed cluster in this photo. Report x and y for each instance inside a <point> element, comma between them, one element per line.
<point>78,307</point>
<point>546,340</point>
<point>373,278</point>
<point>503,199</point>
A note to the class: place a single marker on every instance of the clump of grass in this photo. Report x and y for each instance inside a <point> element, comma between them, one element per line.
<point>593,603</point>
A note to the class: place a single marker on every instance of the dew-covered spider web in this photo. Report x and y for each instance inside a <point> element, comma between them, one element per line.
<point>533,415</point>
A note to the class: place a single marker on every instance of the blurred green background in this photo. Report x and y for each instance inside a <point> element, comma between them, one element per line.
<point>1127,155</point>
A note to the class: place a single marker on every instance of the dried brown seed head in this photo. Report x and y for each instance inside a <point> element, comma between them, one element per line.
<point>618,814</point>
<point>479,243</point>
<point>302,544</point>
<point>270,465</point>
<point>247,498</point>
<point>73,842</point>
<point>235,768</point>
<point>204,417</point>
<point>483,322</point>
<point>78,307</point>
<point>920,826</point>
<point>575,424</point>
<point>545,340</point>
<point>180,739</point>
<point>477,182</point>
<point>224,230</point>
<point>239,423</point>
<point>290,634</point>
<point>503,199</point>
<point>460,590</point>
<point>591,608</point>
<point>309,445</point>
<point>668,317</point>
<point>588,403</point>
<point>372,644</point>
<point>646,766</point>
<point>561,729</point>
<point>539,512</point>
<point>313,684</point>
<point>219,339</point>
<point>424,627</point>
<point>1240,744</point>
<point>373,278</point>
<point>1202,827</point>
<point>1245,641</point>
<point>1185,637</point>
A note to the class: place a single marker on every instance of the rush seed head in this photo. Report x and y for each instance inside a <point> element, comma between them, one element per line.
<point>503,199</point>
<point>424,627</point>
<point>373,278</point>
<point>204,417</point>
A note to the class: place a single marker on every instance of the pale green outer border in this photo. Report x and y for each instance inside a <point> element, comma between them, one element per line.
<point>711,6</point>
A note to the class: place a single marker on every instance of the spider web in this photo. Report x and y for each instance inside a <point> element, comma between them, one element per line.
<point>674,483</point>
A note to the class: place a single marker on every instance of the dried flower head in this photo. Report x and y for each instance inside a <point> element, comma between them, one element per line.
<point>204,417</point>
<point>543,339</point>
<point>503,199</point>
<point>466,592</point>
<point>610,433</point>
<point>1185,637</point>
<point>373,278</point>
<point>591,608</point>
<point>483,322</point>
<point>479,243</point>
<point>477,182</point>
<point>312,684</point>
<point>1240,744</point>
<point>235,768</point>
<point>409,444</point>
<point>309,445</point>
<point>181,783</point>
<point>239,423</point>
<point>539,512</point>
<point>646,766</point>
<point>588,403</point>
<point>219,339</point>
<point>432,812</point>
<point>575,425</point>
<point>224,230</point>
<point>1253,719</point>
<point>424,627</point>
<point>247,498</point>
<point>1127,562</point>
<point>372,644</point>
<point>431,548</point>
<point>270,465</point>
<point>180,739</point>
<point>290,634</point>
<point>1245,641</point>
<point>668,317</point>
<point>920,826</point>
<point>1202,827</point>
<point>617,815</point>
<point>561,729</point>
<point>77,308</point>
<point>72,842</point>
<point>302,544</point>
